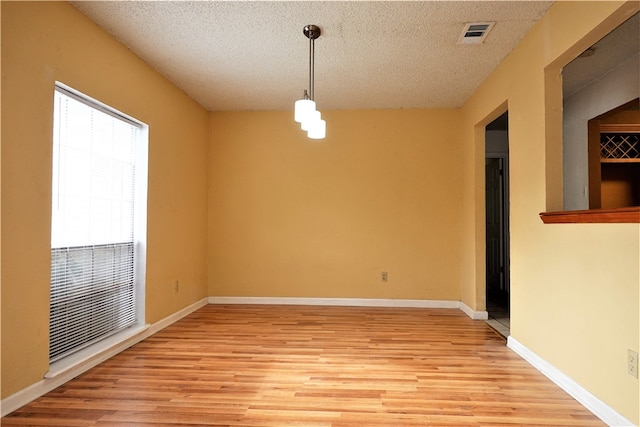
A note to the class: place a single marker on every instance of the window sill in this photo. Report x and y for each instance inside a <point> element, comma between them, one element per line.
<point>593,216</point>
<point>97,352</point>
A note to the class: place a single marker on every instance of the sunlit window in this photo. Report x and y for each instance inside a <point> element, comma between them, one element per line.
<point>97,222</point>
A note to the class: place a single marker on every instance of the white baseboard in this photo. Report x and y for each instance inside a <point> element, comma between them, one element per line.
<point>161,324</point>
<point>475,315</point>
<point>354,302</point>
<point>347,302</point>
<point>61,373</point>
<point>575,390</point>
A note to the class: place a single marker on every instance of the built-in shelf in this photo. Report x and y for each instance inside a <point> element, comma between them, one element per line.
<point>593,216</point>
<point>614,158</point>
<point>620,160</point>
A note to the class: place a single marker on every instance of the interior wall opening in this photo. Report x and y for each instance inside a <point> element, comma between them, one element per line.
<point>497,223</point>
<point>601,122</point>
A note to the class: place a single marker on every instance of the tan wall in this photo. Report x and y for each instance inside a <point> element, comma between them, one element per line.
<point>45,42</point>
<point>574,288</point>
<point>294,217</point>
<point>396,191</point>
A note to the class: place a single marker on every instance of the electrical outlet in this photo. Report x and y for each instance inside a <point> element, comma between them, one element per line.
<point>384,277</point>
<point>632,363</point>
<point>176,286</point>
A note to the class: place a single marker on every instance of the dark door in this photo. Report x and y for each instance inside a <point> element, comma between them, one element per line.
<point>496,235</point>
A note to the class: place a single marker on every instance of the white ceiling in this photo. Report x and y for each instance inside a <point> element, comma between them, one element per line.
<point>252,55</point>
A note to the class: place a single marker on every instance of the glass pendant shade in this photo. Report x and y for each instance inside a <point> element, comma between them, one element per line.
<point>303,110</point>
<point>317,130</point>
<point>308,122</point>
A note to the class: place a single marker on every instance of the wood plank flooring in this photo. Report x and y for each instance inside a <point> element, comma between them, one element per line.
<point>242,365</point>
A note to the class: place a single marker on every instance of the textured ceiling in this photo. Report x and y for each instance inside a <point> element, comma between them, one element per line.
<point>617,47</point>
<point>244,55</point>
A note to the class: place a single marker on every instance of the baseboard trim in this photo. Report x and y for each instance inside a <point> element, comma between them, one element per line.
<point>354,302</point>
<point>62,374</point>
<point>161,324</point>
<point>475,315</point>
<point>575,390</point>
<point>347,302</point>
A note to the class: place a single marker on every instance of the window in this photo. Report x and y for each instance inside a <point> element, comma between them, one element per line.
<point>98,223</point>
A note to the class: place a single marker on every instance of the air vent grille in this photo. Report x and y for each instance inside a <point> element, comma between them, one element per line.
<point>475,32</point>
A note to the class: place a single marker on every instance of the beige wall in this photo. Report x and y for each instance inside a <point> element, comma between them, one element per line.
<point>574,288</point>
<point>45,42</point>
<point>396,191</point>
<point>294,217</point>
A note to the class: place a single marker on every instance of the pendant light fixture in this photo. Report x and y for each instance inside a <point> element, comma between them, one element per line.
<point>305,109</point>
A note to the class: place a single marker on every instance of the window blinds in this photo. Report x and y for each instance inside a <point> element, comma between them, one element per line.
<point>92,230</point>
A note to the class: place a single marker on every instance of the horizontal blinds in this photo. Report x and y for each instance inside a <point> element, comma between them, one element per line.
<point>92,243</point>
<point>92,295</point>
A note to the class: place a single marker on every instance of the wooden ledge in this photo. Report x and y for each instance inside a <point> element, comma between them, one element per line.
<point>593,216</point>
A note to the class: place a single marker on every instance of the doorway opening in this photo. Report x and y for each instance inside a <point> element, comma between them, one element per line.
<point>497,223</point>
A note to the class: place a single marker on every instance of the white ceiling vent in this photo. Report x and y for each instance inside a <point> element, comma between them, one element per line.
<point>475,32</point>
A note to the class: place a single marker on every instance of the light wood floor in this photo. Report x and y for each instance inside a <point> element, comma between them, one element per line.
<point>312,366</point>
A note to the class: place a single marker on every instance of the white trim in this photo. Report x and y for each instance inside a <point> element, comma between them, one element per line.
<point>61,373</point>
<point>96,353</point>
<point>599,408</point>
<point>354,302</point>
<point>94,103</point>
<point>347,302</point>
<point>161,324</point>
<point>475,315</point>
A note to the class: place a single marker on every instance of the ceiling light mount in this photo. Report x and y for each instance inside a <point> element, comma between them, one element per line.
<point>311,31</point>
